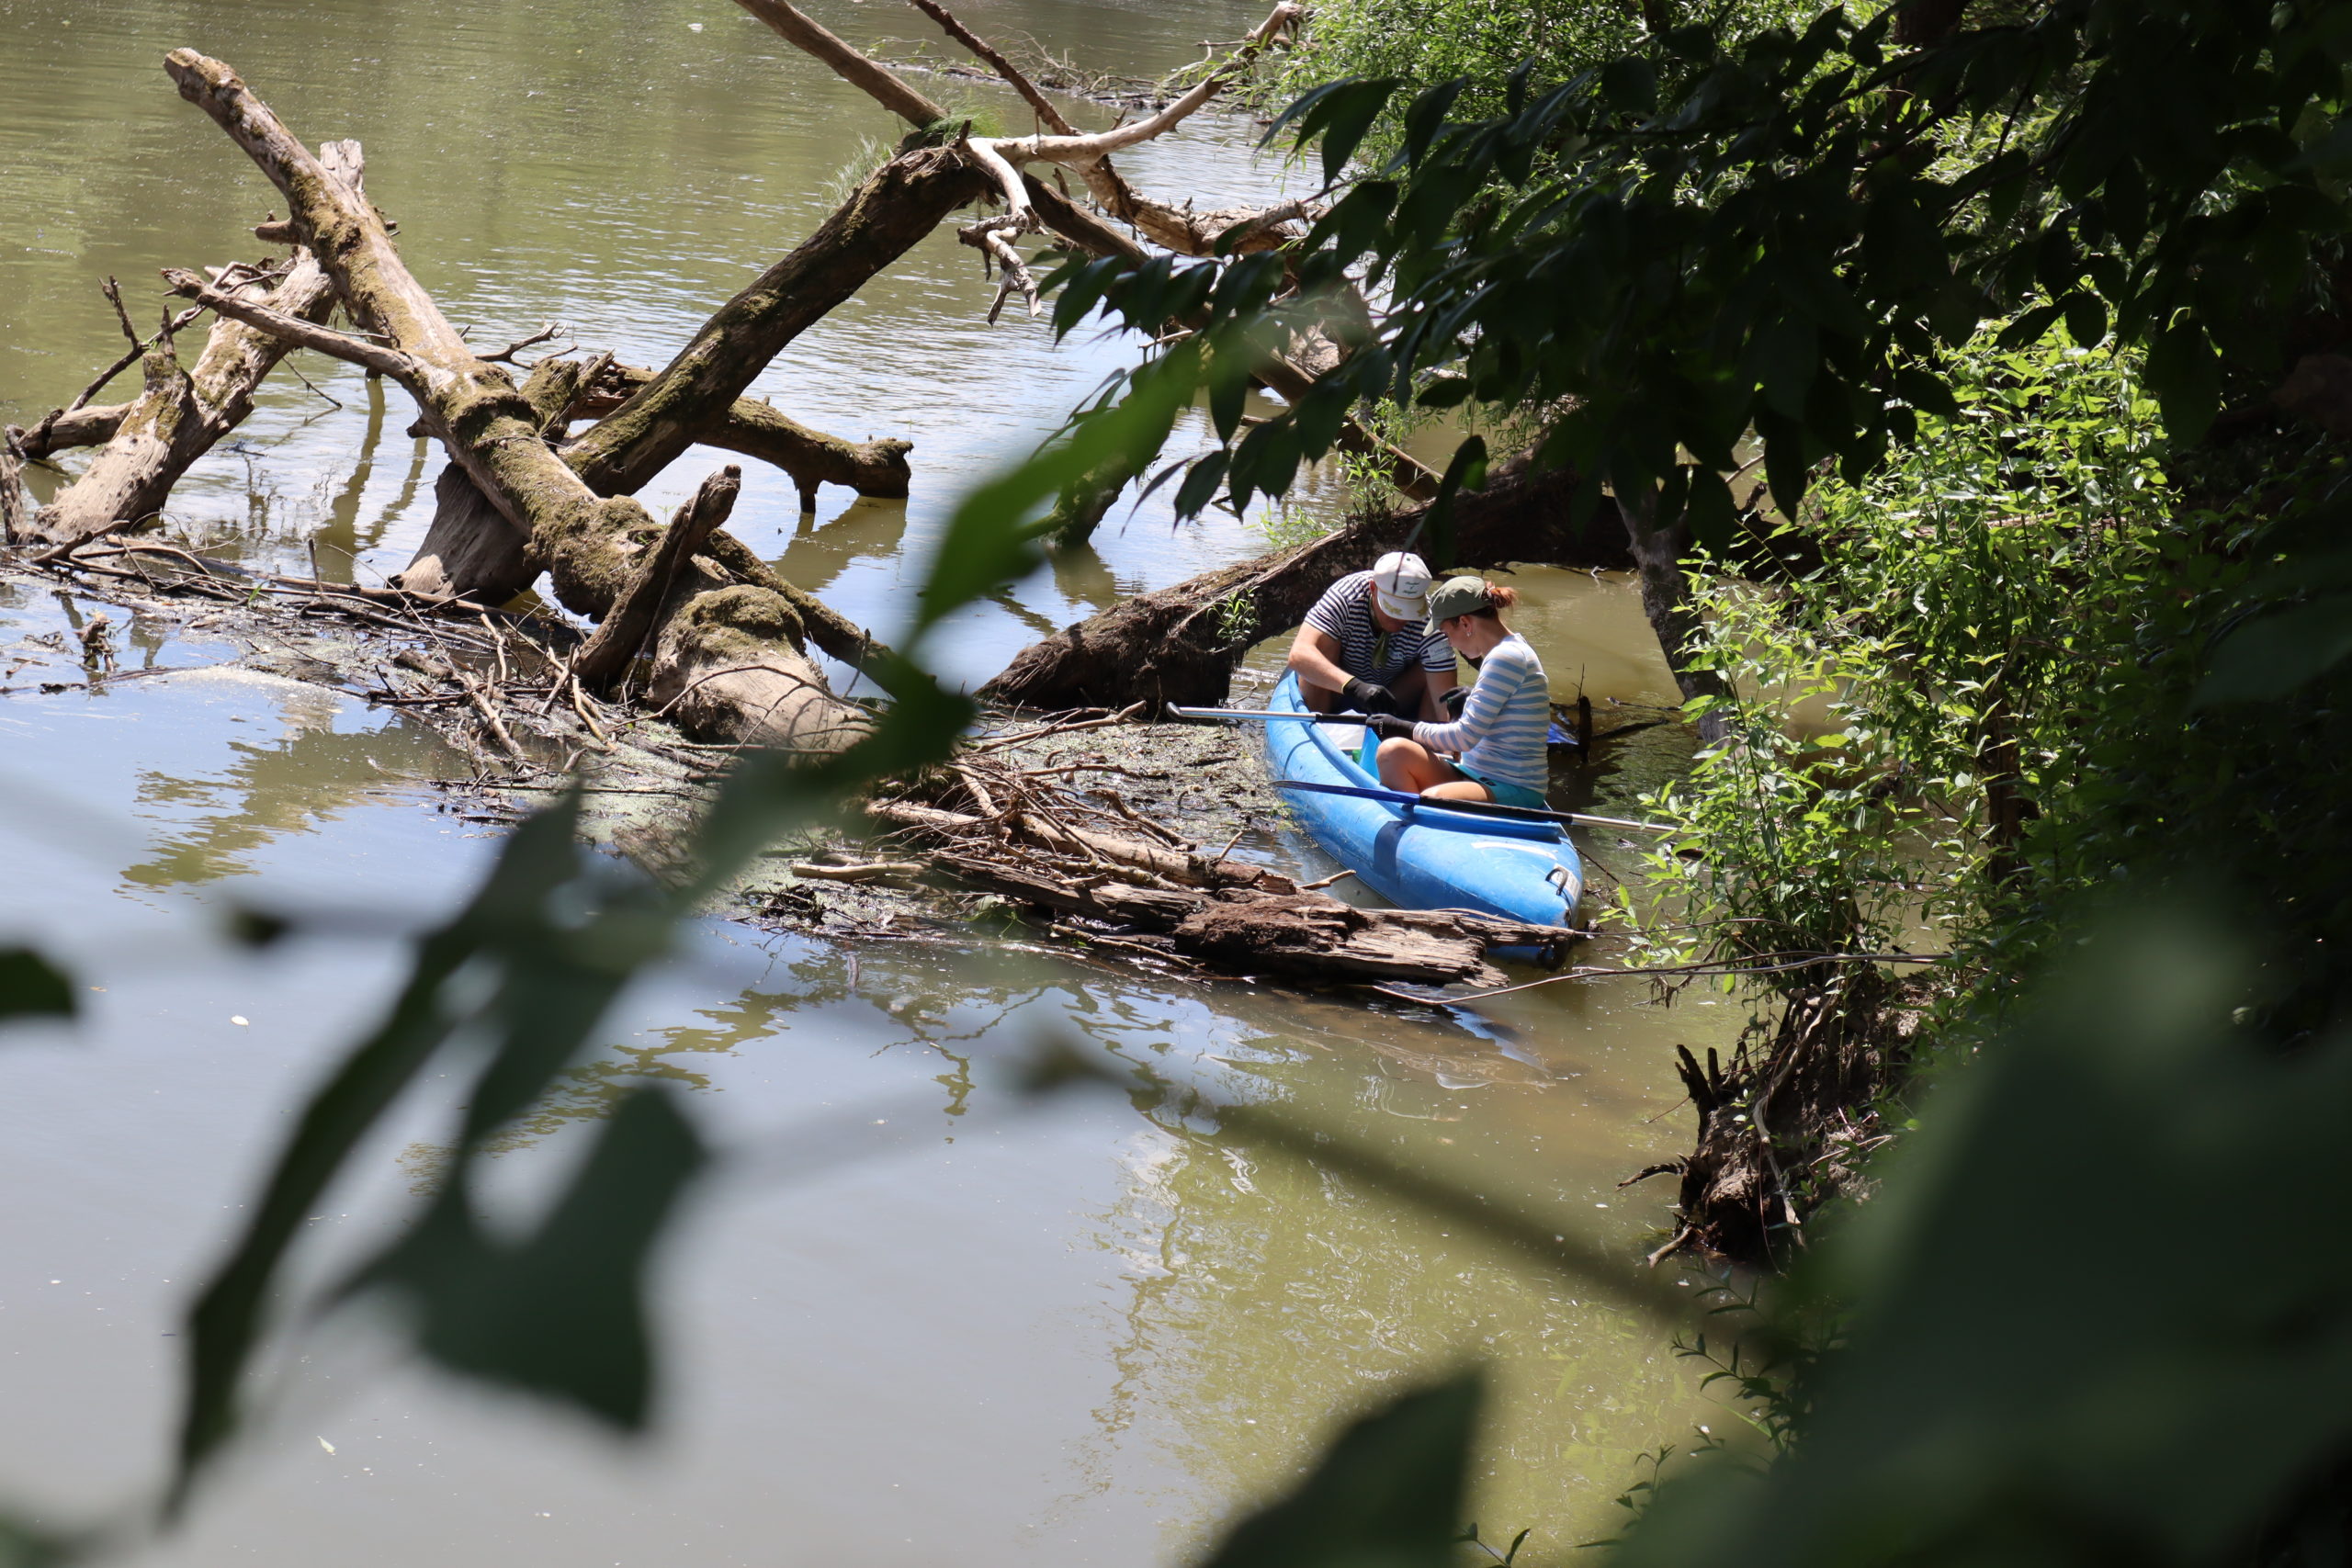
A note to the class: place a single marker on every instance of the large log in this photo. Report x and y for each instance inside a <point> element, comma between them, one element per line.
<point>1180,644</point>
<point>472,550</point>
<point>590,543</point>
<point>756,429</point>
<point>180,415</point>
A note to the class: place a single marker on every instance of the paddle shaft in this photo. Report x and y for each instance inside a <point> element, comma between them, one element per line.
<point>1473,807</point>
<point>1228,716</point>
<point>1553,736</point>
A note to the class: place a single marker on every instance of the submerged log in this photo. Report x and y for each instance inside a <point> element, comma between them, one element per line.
<point>590,543</point>
<point>181,415</point>
<point>1178,644</point>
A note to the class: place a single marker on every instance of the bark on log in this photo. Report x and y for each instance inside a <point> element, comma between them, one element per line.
<point>637,608</point>
<point>92,427</point>
<point>590,543</point>
<point>16,506</point>
<point>757,430</point>
<point>472,550</point>
<point>1178,644</point>
<point>180,415</point>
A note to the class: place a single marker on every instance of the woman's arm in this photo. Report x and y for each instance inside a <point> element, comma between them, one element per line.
<point>1498,681</point>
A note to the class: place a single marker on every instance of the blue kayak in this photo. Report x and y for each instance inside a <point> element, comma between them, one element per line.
<point>1421,857</point>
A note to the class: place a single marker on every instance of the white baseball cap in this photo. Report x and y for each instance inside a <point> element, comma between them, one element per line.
<point>1400,585</point>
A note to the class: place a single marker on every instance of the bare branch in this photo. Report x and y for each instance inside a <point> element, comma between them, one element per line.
<point>880,82</point>
<point>999,64</point>
<point>300,333</point>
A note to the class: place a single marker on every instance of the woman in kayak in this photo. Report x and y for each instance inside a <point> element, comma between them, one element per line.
<point>1495,750</point>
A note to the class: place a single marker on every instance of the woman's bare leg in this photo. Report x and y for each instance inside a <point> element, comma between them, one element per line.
<point>1412,767</point>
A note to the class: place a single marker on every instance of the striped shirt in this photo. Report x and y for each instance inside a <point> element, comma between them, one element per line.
<point>1368,653</point>
<point>1504,723</point>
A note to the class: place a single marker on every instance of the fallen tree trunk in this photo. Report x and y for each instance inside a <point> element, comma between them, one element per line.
<point>757,430</point>
<point>180,415</point>
<point>472,550</point>
<point>1178,644</point>
<point>65,429</point>
<point>698,396</point>
<point>590,543</point>
<point>1179,230</point>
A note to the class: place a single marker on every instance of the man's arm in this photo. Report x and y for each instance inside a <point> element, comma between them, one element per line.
<point>1315,659</point>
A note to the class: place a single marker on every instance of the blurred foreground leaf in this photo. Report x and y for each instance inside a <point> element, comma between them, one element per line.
<point>561,1312</point>
<point>1389,1493</point>
<point>31,986</point>
<point>2025,1376</point>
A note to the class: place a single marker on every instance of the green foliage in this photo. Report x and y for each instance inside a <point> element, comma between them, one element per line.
<point>1705,238</point>
<point>1997,1396</point>
<point>1979,596</point>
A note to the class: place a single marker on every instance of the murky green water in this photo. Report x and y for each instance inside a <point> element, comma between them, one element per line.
<point>918,1316</point>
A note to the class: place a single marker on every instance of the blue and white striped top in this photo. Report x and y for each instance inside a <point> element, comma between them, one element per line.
<point>1506,721</point>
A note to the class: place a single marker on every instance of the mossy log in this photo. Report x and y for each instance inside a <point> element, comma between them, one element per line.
<point>591,544</point>
<point>179,415</point>
<point>1178,644</point>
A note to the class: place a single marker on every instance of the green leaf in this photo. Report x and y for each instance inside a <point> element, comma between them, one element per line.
<point>2185,375</point>
<point>561,1311</point>
<point>1427,115</point>
<point>1925,391</point>
<point>1199,484</point>
<point>31,986</point>
<point>1389,1493</point>
<point>2086,319</point>
<point>1341,112</point>
<point>2276,655</point>
<point>227,1321</point>
<point>1465,470</point>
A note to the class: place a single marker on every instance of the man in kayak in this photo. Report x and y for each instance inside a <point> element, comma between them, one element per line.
<point>1495,750</point>
<point>1367,645</point>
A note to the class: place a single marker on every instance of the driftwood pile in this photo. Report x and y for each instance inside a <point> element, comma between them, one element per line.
<point>1111,876</point>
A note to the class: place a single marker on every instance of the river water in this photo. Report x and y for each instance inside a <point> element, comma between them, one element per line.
<point>917,1315</point>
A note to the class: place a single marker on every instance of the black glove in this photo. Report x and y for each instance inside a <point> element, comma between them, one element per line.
<point>1388,726</point>
<point>1454,698</point>
<point>1367,696</point>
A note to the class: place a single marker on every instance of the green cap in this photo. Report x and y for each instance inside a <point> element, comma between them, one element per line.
<point>1458,596</point>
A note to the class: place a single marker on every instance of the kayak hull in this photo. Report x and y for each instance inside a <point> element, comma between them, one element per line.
<point>1421,857</point>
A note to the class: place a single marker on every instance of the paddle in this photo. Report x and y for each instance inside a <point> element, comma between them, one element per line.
<point>1474,807</point>
<point>1230,714</point>
<point>1556,735</point>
